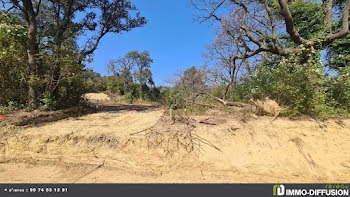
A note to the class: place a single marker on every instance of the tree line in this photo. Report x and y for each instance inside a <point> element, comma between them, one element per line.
<point>42,62</point>
<point>293,51</point>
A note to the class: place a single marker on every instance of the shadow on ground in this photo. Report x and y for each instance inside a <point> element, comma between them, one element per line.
<point>36,118</point>
<point>123,107</point>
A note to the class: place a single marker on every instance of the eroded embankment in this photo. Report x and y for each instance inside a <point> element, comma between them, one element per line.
<point>131,144</point>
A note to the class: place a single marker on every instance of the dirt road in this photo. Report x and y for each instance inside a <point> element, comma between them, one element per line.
<point>136,144</point>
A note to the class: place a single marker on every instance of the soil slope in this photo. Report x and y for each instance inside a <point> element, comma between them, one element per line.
<point>135,144</point>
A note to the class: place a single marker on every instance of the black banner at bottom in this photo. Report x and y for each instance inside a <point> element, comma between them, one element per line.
<point>165,190</point>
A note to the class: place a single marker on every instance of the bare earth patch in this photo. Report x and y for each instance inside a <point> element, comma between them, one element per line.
<point>136,144</point>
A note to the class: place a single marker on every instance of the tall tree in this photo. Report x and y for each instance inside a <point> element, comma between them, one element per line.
<point>134,66</point>
<point>224,68</point>
<point>122,67</point>
<point>55,26</point>
<point>101,18</point>
<point>13,53</point>
<point>142,64</point>
<point>192,80</point>
<point>30,11</point>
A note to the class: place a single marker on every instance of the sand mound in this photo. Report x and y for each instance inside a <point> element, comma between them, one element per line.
<point>93,97</point>
<point>267,107</point>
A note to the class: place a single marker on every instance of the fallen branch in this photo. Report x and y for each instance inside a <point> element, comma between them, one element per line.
<point>223,102</point>
<point>140,131</point>
<point>204,141</point>
<point>205,105</point>
<point>88,173</point>
<point>208,123</point>
<point>211,121</point>
<point>274,118</point>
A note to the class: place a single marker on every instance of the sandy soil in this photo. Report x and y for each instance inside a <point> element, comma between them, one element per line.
<point>136,144</point>
<point>93,97</point>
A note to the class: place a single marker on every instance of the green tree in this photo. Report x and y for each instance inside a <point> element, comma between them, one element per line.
<point>271,31</point>
<point>134,75</point>
<point>142,73</point>
<point>13,60</point>
<point>54,57</point>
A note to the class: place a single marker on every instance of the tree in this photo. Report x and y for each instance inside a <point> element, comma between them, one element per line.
<point>106,17</point>
<point>30,11</point>
<point>142,64</point>
<point>287,37</point>
<point>132,68</point>
<point>255,25</point>
<point>122,68</point>
<point>13,55</point>
<point>94,82</point>
<point>53,30</point>
<point>224,69</point>
<point>338,52</point>
<point>192,80</point>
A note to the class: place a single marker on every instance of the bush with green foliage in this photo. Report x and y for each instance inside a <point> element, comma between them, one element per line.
<point>338,90</point>
<point>9,108</point>
<point>173,97</point>
<point>115,85</point>
<point>301,87</point>
<point>47,103</point>
<point>13,69</point>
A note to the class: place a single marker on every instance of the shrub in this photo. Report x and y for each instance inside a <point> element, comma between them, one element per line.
<point>47,103</point>
<point>299,86</point>
<point>338,90</point>
<point>10,108</point>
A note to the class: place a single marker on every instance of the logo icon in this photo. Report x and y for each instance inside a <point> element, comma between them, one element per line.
<point>278,190</point>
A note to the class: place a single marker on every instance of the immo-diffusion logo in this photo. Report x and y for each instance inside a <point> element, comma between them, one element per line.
<point>339,190</point>
<point>278,190</point>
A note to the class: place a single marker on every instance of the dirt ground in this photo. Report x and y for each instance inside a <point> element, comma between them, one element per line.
<point>136,144</point>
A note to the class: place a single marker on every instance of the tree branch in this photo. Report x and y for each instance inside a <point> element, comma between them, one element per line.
<point>225,103</point>
<point>345,26</point>
<point>328,7</point>
<point>288,18</point>
<point>85,52</point>
<point>16,4</point>
<point>38,8</point>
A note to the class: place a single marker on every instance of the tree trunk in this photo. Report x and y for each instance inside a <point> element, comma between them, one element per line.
<point>32,52</point>
<point>30,15</point>
<point>328,7</point>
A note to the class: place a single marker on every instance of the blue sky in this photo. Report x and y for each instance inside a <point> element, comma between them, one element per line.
<point>174,40</point>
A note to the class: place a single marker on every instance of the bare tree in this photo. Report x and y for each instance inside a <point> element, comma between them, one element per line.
<point>193,79</point>
<point>225,68</point>
<point>256,27</point>
<point>121,67</point>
